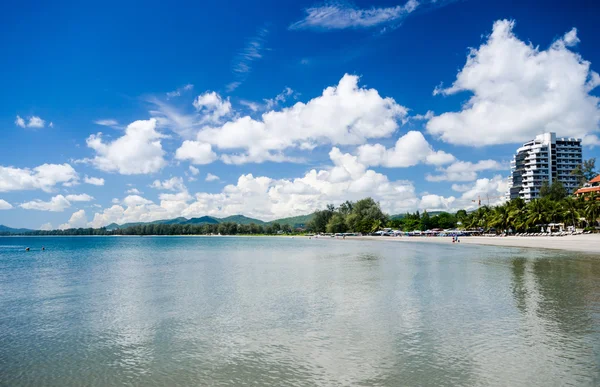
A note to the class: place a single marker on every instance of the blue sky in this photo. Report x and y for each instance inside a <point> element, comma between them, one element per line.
<point>287,106</point>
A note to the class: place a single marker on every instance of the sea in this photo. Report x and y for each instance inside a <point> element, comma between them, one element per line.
<point>282,311</point>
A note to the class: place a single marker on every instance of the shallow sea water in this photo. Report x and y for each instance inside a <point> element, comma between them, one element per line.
<point>156,311</point>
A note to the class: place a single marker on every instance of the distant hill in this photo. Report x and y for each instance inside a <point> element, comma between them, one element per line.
<point>203,220</point>
<point>295,221</point>
<point>241,219</point>
<point>6,229</point>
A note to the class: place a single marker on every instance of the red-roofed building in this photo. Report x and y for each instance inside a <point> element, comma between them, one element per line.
<point>591,186</point>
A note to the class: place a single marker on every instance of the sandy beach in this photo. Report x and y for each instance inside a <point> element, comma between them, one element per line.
<point>580,243</point>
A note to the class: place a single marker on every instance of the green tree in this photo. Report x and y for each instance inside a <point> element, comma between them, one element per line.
<point>591,209</point>
<point>585,171</point>
<point>425,223</point>
<point>320,219</point>
<point>365,215</point>
<point>337,223</point>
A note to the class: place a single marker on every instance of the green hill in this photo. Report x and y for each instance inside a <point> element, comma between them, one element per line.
<point>202,220</point>
<point>241,219</point>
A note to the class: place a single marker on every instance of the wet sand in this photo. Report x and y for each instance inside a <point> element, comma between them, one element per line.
<point>581,243</point>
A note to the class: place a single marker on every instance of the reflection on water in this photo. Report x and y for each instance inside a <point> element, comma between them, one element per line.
<point>273,311</point>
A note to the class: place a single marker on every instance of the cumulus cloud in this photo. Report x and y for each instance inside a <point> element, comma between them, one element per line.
<point>172,184</point>
<point>57,204</point>
<point>212,106</point>
<point>196,152</point>
<point>93,180</point>
<point>4,205</point>
<point>20,122</point>
<point>44,177</point>
<point>79,198</point>
<point>345,114</point>
<point>410,149</point>
<point>342,15</point>
<point>33,122</point>
<point>520,91</point>
<point>211,177</point>
<point>77,220</point>
<point>268,198</point>
<point>133,191</point>
<point>194,171</point>
<point>139,151</point>
<point>465,170</point>
<point>46,227</point>
<point>490,191</point>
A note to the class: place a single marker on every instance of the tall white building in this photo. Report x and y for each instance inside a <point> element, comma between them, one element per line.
<point>544,158</point>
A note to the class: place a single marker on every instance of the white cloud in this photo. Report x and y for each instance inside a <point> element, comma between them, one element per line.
<point>133,191</point>
<point>51,124</point>
<point>279,98</point>
<point>194,171</point>
<point>93,180</point>
<point>179,91</point>
<point>196,152</point>
<point>79,198</point>
<point>251,52</point>
<point>77,220</point>
<point>57,204</point>
<point>344,114</point>
<point>43,177</point>
<point>211,177</point>
<point>423,117</point>
<point>4,205</point>
<point>46,227</point>
<point>268,198</point>
<point>139,151</point>
<point>254,106</point>
<point>410,149</point>
<point>490,191</point>
<point>232,86</point>
<point>520,91</point>
<point>465,170</point>
<point>342,15</point>
<point>34,122</point>
<point>461,187</point>
<point>172,184</point>
<point>107,122</point>
<point>242,63</point>
<point>20,122</point>
<point>212,107</point>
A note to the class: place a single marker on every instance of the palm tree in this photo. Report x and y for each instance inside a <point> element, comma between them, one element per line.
<point>570,209</point>
<point>501,217</point>
<point>591,209</point>
<point>536,212</point>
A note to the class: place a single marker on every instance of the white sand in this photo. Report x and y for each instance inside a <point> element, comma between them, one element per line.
<point>582,243</point>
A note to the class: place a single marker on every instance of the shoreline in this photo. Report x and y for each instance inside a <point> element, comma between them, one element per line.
<point>576,243</point>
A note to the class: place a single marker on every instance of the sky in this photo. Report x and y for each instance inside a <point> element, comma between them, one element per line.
<point>118,112</point>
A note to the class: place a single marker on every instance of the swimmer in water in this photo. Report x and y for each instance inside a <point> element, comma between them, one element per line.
<point>27,249</point>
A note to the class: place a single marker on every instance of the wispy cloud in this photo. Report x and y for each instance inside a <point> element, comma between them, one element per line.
<point>32,122</point>
<point>179,91</point>
<point>341,15</point>
<point>242,63</point>
<point>108,122</point>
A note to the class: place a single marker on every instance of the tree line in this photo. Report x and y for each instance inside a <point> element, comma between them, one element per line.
<point>225,228</point>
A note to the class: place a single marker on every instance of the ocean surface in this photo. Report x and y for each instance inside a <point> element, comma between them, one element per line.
<point>182,311</point>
